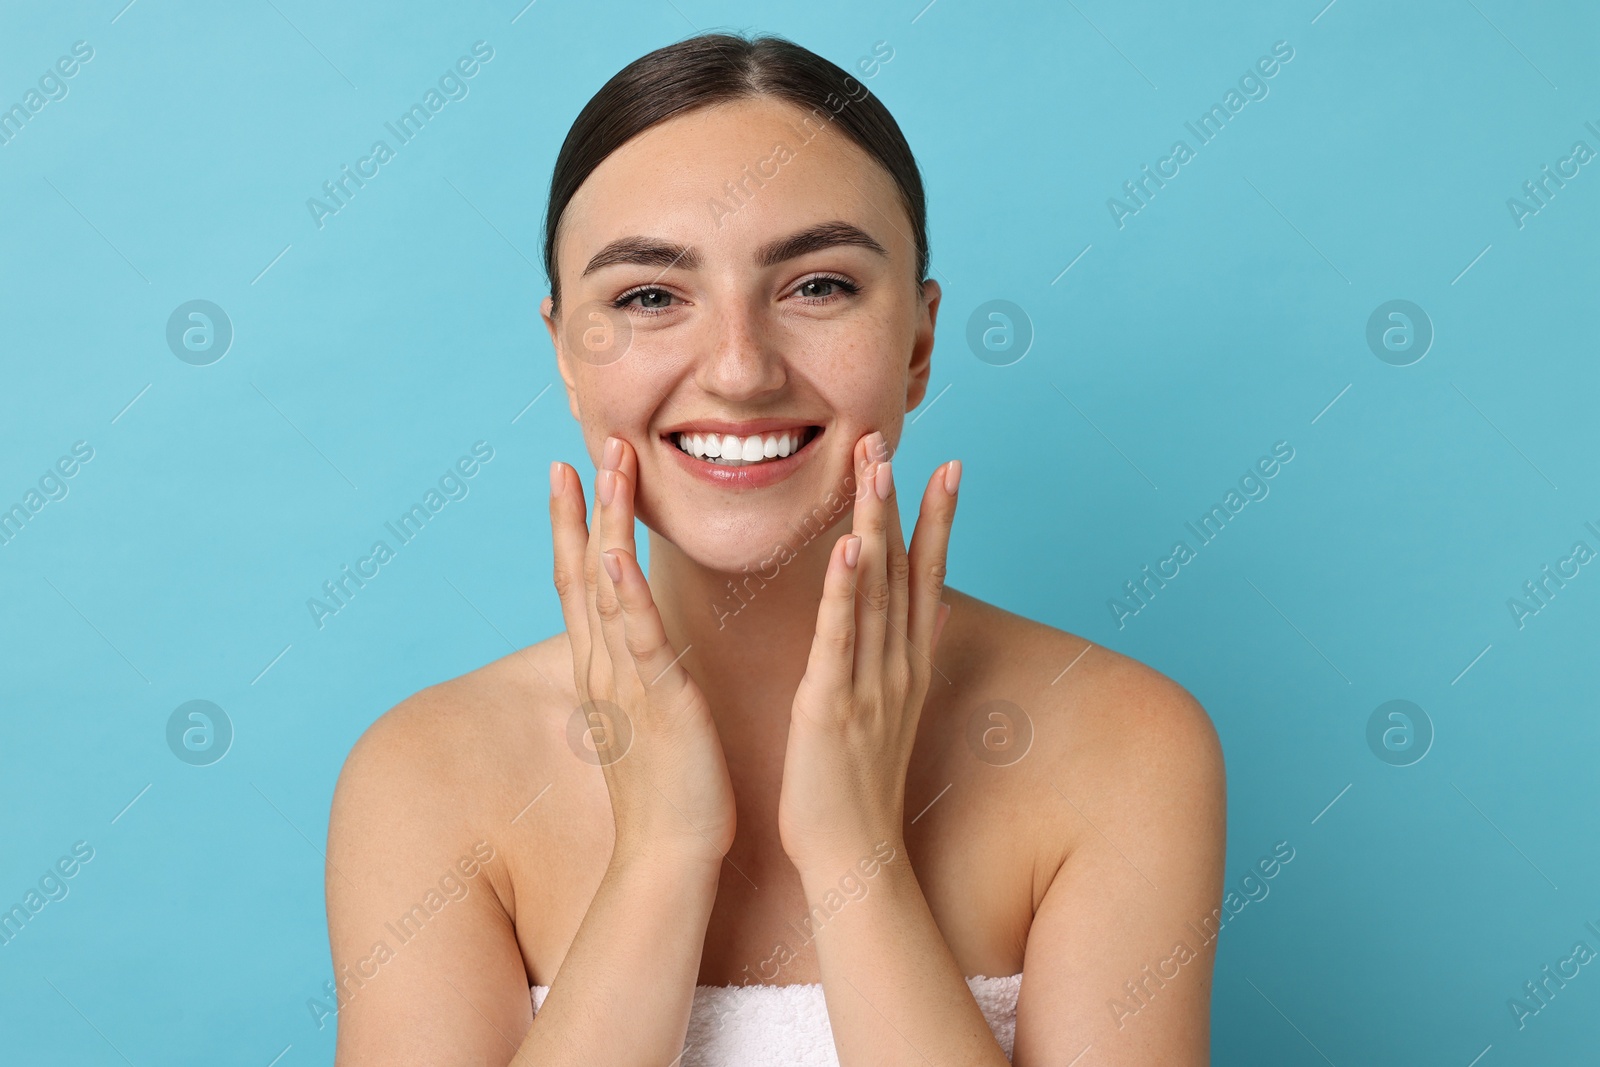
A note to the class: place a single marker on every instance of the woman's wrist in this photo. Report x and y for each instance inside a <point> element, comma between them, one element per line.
<point>673,860</point>
<point>866,858</point>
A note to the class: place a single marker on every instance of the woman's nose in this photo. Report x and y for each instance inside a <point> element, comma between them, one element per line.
<point>743,360</point>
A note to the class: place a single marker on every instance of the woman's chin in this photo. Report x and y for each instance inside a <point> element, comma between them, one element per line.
<point>762,549</point>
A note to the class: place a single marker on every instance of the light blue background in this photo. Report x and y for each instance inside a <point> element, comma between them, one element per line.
<point>1226,315</point>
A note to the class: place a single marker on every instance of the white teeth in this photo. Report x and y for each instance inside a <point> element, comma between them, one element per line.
<point>736,451</point>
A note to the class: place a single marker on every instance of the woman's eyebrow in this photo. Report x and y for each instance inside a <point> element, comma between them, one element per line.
<point>812,238</point>
<point>652,252</point>
<point>645,251</point>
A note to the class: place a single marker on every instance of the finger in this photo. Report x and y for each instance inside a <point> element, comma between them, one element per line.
<point>871,572</point>
<point>897,564</point>
<point>938,627</point>
<point>613,529</point>
<point>830,666</point>
<point>611,455</point>
<point>569,535</point>
<point>930,543</point>
<point>659,667</point>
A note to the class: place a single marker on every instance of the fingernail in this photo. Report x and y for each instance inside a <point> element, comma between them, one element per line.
<point>852,550</point>
<point>613,453</point>
<point>877,449</point>
<point>952,476</point>
<point>607,486</point>
<point>555,477</point>
<point>883,480</point>
<point>613,567</point>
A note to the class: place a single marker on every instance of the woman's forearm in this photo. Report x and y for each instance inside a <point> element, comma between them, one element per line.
<point>894,991</point>
<point>627,983</point>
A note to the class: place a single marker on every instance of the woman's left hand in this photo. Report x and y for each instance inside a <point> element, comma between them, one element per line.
<point>856,710</point>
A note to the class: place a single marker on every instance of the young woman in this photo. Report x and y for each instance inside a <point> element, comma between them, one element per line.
<point>790,797</point>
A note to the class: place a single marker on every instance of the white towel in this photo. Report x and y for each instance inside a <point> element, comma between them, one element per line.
<point>787,1025</point>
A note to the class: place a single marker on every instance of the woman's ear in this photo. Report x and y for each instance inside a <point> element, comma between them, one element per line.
<point>921,366</point>
<point>563,361</point>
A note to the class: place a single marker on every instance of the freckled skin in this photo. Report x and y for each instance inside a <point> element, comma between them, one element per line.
<point>740,344</point>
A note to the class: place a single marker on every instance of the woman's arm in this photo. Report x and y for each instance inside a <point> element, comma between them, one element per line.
<point>1144,779</point>
<point>458,992</point>
<point>895,993</point>
<point>426,955</point>
<point>1119,955</point>
<point>624,992</point>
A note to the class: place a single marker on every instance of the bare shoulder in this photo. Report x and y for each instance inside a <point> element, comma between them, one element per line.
<point>1119,808</point>
<point>451,762</point>
<point>1108,698</point>
<point>1039,750</point>
<point>433,923</point>
<point>1108,732</point>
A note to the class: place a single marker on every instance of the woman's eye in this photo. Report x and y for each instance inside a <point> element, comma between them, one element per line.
<point>649,299</point>
<point>820,290</point>
<point>655,300</point>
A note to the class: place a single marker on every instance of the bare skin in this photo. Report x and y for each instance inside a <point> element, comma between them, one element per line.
<point>621,902</point>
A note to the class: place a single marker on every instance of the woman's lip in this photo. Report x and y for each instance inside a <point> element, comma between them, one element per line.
<point>750,476</point>
<point>749,428</point>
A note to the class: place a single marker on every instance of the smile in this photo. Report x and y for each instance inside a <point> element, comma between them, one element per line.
<point>729,450</point>
<point>766,453</point>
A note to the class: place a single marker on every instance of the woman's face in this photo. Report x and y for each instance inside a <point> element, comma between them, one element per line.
<point>741,279</point>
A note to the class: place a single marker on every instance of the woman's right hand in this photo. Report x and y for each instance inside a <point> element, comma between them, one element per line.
<point>650,725</point>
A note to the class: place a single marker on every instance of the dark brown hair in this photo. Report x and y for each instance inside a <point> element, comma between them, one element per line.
<point>715,68</point>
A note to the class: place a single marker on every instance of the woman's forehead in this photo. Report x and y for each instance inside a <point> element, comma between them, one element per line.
<point>731,177</point>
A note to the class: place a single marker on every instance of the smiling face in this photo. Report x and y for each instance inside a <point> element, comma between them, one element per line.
<point>760,289</point>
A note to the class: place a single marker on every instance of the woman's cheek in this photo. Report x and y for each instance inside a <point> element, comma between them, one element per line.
<point>612,403</point>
